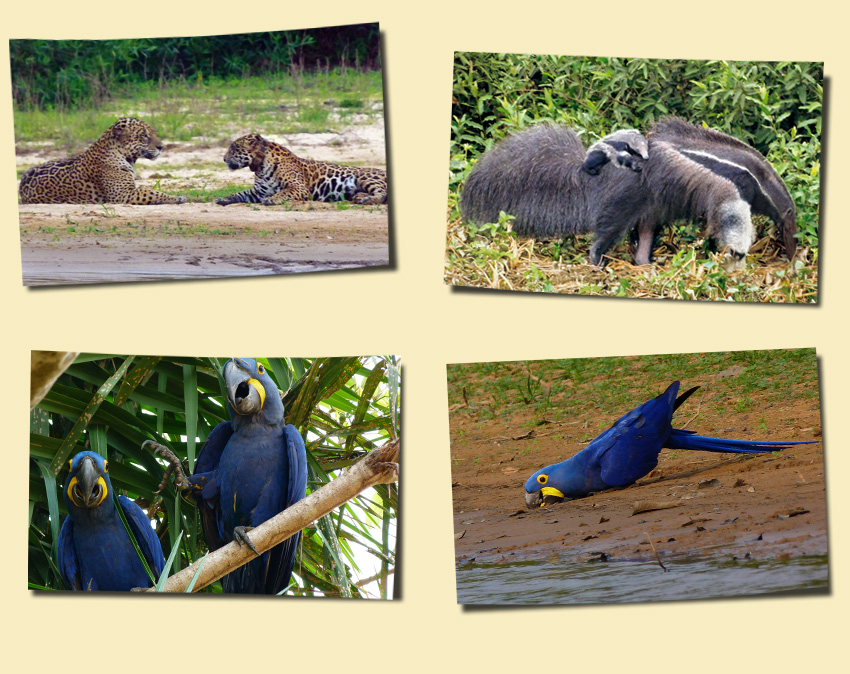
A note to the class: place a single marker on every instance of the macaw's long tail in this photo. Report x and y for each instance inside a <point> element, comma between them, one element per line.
<point>681,439</point>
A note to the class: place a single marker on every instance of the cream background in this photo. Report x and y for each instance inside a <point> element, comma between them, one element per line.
<point>429,325</point>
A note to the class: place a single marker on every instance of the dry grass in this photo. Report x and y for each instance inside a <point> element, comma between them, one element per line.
<point>494,257</point>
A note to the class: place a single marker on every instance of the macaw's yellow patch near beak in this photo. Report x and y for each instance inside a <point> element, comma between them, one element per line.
<point>551,491</point>
<point>79,500</point>
<point>260,389</point>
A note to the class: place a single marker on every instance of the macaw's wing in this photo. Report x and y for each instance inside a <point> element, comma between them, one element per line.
<point>68,566</point>
<point>281,558</point>
<point>145,535</point>
<point>205,487</point>
<point>297,453</point>
<point>633,443</point>
<point>210,453</point>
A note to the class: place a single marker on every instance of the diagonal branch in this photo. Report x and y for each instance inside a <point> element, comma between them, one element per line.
<point>380,466</point>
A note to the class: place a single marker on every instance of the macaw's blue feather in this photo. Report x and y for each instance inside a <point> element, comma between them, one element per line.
<point>250,469</point>
<point>629,450</point>
<point>95,551</point>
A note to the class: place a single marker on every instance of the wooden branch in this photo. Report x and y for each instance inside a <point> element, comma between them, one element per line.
<point>380,466</point>
<point>45,368</point>
<point>371,579</point>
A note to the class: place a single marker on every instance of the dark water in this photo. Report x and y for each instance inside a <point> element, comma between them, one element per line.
<point>41,277</point>
<point>580,582</point>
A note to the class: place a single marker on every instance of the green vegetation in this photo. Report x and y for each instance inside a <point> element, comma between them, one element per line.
<point>213,112</point>
<point>68,74</point>
<point>610,386</point>
<point>776,107</point>
<point>344,407</point>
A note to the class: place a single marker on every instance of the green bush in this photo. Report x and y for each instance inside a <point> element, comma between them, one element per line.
<point>68,74</point>
<point>775,107</point>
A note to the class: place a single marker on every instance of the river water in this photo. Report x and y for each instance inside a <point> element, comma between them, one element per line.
<point>567,581</point>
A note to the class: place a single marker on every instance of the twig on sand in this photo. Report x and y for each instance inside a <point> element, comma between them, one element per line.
<point>657,558</point>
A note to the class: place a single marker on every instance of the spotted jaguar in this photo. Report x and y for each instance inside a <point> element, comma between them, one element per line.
<point>101,174</point>
<point>280,176</point>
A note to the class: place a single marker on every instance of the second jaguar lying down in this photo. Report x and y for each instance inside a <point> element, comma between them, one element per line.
<point>280,176</point>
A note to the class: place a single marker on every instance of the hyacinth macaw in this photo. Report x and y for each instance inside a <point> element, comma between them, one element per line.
<point>629,450</point>
<point>95,552</point>
<point>250,469</point>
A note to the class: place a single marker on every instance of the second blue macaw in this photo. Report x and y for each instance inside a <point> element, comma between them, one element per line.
<point>629,450</point>
<point>250,469</point>
<point>95,551</point>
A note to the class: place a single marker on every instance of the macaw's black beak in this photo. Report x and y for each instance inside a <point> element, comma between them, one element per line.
<point>533,499</point>
<point>89,491</point>
<point>543,497</point>
<point>246,394</point>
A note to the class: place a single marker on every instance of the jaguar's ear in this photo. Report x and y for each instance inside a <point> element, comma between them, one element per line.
<point>120,132</point>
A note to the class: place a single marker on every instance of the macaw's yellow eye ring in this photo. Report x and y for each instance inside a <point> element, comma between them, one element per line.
<point>106,466</point>
<point>260,369</point>
<point>542,479</point>
<point>70,464</point>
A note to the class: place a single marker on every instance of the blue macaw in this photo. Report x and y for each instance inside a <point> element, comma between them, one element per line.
<point>629,450</point>
<point>95,552</point>
<point>250,469</point>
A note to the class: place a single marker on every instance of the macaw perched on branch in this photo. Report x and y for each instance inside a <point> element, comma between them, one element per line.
<point>249,469</point>
<point>629,450</point>
<point>95,552</point>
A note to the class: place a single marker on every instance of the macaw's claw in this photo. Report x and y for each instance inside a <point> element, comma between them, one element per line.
<point>240,535</point>
<point>174,466</point>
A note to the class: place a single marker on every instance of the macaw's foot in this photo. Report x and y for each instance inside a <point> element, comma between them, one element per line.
<point>240,535</point>
<point>174,465</point>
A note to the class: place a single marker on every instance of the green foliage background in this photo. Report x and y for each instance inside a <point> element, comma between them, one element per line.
<point>776,107</point>
<point>344,407</point>
<point>66,74</point>
<point>574,388</point>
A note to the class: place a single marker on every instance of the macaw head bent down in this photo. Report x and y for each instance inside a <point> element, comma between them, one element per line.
<point>629,450</point>
<point>95,550</point>
<point>250,469</point>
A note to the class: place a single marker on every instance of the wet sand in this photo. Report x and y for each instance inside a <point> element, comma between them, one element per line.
<point>76,244</point>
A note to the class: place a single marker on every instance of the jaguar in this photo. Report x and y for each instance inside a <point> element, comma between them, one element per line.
<point>102,174</point>
<point>281,176</point>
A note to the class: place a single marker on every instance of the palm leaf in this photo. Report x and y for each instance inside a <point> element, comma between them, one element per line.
<point>344,407</point>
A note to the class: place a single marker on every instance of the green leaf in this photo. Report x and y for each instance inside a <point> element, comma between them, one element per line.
<point>88,413</point>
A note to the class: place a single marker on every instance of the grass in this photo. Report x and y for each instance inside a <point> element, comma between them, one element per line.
<point>685,267</point>
<point>611,386</point>
<point>141,229</point>
<point>215,111</point>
